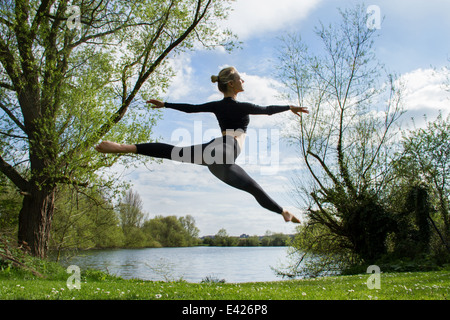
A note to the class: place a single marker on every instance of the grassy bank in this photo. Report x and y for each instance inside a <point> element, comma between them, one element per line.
<point>20,284</point>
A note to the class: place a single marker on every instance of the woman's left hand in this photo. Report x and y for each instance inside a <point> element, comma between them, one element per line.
<point>156,103</point>
<point>298,110</point>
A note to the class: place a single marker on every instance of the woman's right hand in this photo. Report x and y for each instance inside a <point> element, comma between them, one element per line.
<point>156,103</point>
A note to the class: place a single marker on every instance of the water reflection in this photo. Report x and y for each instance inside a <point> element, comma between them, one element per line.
<point>233,264</point>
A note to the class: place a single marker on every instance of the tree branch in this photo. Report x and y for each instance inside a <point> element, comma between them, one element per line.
<point>13,117</point>
<point>19,264</point>
<point>328,221</point>
<point>158,33</point>
<point>140,81</point>
<point>69,181</point>
<point>13,175</point>
<point>7,86</point>
<point>42,10</point>
<point>12,135</point>
<point>7,23</point>
<point>10,64</point>
<point>120,113</point>
<point>25,42</point>
<point>325,167</point>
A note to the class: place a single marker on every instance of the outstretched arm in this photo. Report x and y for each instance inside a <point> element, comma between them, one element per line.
<point>269,110</point>
<point>298,110</point>
<point>184,107</point>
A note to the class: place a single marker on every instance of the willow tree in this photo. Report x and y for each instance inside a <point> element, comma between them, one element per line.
<point>345,141</point>
<point>74,71</point>
<point>424,159</point>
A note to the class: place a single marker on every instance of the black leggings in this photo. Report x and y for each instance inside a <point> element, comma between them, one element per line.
<point>219,155</point>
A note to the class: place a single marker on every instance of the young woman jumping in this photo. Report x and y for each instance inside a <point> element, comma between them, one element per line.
<point>220,154</point>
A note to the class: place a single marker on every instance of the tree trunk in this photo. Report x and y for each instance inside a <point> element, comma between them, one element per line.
<point>35,220</point>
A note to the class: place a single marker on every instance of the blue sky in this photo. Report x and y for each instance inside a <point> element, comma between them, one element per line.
<point>414,41</point>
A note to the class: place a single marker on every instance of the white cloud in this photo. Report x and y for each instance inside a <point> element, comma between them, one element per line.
<point>257,17</point>
<point>425,94</point>
<point>181,83</point>
<point>261,90</point>
<point>424,88</point>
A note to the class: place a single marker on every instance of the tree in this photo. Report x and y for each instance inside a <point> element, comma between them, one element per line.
<point>84,221</point>
<point>345,140</point>
<point>168,232</point>
<point>9,207</point>
<point>131,219</point>
<point>73,73</point>
<point>413,235</point>
<point>222,239</point>
<point>252,241</point>
<point>188,224</point>
<point>130,211</point>
<point>424,159</point>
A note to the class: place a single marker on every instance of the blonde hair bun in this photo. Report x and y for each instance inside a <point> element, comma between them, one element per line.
<point>225,76</point>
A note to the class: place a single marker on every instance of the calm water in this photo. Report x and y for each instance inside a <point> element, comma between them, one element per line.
<point>233,264</point>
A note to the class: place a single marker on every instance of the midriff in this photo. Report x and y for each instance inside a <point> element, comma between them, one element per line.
<point>239,135</point>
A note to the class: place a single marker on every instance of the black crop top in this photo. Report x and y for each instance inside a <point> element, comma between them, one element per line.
<point>230,114</point>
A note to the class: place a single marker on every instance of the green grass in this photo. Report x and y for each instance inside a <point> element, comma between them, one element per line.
<point>95,285</point>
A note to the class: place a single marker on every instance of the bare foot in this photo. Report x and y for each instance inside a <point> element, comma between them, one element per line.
<point>289,217</point>
<point>113,147</point>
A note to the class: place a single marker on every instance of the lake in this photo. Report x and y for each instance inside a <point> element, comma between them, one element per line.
<point>193,264</point>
